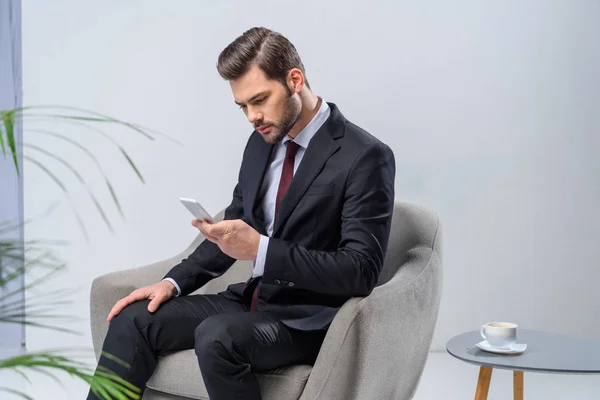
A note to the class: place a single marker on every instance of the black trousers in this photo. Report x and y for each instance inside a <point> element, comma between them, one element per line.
<point>231,343</point>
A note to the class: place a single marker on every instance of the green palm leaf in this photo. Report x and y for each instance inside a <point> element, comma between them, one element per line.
<point>20,394</point>
<point>64,189</point>
<point>35,257</point>
<point>42,308</point>
<point>92,157</point>
<point>137,171</point>
<point>104,381</point>
<point>88,119</point>
<point>79,122</point>
<point>8,119</point>
<point>97,117</point>
<point>79,178</point>
<point>2,129</point>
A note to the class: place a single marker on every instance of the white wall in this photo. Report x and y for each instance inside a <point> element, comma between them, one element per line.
<point>491,111</point>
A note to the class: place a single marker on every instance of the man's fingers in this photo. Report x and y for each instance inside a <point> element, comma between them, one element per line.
<point>213,239</point>
<point>124,302</point>
<point>206,232</point>
<point>153,306</point>
<point>204,228</point>
<point>213,230</point>
<point>117,308</point>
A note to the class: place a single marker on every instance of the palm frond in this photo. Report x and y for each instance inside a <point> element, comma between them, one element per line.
<point>77,117</point>
<point>41,312</point>
<point>89,116</point>
<point>8,120</point>
<point>131,163</point>
<point>114,143</point>
<point>9,226</point>
<point>62,186</point>
<point>87,119</point>
<point>37,260</point>
<point>54,178</point>
<point>87,126</point>
<point>92,128</point>
<point>20,394</point>
<point>97,117</point>
<point>79,178</point>
<point>57,158</point>
<point>103,381</point>
<point>91,156</point>
<point>2,129</point>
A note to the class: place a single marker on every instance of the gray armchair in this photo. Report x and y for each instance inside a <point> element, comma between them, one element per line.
<point>375,349</point>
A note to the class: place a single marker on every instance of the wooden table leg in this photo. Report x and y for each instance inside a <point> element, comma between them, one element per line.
<point>483,383</point>
<point>518,385</point>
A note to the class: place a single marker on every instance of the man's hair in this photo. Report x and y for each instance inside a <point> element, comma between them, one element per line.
<point>274,54</point>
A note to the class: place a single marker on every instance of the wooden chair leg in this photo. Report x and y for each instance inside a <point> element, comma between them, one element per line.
<point>518,385</point>
<point>483,383</point>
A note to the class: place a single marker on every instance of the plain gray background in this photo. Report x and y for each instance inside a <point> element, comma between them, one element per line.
<point>490,107</point>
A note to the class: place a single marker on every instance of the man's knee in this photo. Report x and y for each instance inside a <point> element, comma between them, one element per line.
<point>207,337</point>
<point>134,316</point>
<point>218,336</point>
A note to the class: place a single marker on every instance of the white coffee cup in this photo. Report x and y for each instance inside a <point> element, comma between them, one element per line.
<point>501,335</point>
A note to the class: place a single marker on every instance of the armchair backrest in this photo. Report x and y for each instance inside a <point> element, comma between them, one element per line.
<point>413,226</point>
<point>377,346</point>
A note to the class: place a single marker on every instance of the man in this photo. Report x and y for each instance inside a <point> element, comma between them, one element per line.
<point>312,208</point>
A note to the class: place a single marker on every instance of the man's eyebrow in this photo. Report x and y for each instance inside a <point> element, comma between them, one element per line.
<point>254,97</point>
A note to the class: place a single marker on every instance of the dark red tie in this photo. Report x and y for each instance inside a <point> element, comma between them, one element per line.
<point>287,173</point>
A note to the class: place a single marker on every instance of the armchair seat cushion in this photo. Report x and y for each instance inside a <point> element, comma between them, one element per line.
<point>179,374</point>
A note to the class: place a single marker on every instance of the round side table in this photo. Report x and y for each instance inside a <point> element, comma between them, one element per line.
<point>546,352</point>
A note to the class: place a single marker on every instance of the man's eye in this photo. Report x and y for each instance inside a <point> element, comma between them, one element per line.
<point>243,106</point>
<point>260,101</point>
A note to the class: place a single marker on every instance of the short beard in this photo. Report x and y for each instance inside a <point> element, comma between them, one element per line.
<point>287,121</point>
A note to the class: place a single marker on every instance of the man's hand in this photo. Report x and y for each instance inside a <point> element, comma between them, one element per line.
<point>158,293</point>
<point>235,238</point>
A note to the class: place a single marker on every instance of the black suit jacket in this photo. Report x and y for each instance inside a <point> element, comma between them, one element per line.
<point>331,234</point>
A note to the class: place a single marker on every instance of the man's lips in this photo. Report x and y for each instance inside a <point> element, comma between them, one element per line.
<point>264,128</point>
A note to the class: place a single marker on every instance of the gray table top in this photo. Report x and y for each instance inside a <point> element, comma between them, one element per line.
<point>546,352</point>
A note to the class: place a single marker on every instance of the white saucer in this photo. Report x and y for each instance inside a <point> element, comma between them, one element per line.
<point>517,348</point>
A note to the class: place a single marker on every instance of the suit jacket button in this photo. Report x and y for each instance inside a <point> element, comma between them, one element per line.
<point>277,282</point>
<point>291,284</point>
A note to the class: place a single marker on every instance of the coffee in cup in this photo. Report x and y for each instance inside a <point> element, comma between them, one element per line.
<point>501,335</point>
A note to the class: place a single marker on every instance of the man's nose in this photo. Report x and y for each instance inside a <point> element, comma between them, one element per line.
<point>254,116</point>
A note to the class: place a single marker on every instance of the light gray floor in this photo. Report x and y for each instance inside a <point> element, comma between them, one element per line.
<point>445,378</point>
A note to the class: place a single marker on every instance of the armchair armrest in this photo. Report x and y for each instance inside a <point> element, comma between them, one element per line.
<point>108,289</point>
<point>376,347</point>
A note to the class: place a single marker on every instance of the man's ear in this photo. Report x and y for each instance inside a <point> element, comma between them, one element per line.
<point>295,80</point>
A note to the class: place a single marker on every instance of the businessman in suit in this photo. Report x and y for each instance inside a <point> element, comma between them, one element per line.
<point>312,209</point>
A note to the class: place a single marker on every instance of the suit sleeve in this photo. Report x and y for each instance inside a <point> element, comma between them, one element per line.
<point>207,261</point>
<point>353,268</point>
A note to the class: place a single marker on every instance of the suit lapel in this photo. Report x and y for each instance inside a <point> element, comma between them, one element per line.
<point>254,177</point>
<point>321,147</point>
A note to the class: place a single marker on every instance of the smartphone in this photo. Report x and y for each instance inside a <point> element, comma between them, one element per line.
<point>196,209</point>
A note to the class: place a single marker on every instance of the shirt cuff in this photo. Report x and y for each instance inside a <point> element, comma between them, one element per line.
<point>261,256</point>
<point>174,284</point>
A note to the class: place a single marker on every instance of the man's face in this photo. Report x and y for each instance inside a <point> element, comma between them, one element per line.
<point>271,107</point>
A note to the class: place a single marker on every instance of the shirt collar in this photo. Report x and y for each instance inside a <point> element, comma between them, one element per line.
<point>305,135</point>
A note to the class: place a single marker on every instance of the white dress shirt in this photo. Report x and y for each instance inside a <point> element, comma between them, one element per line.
<point>270,184</point>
